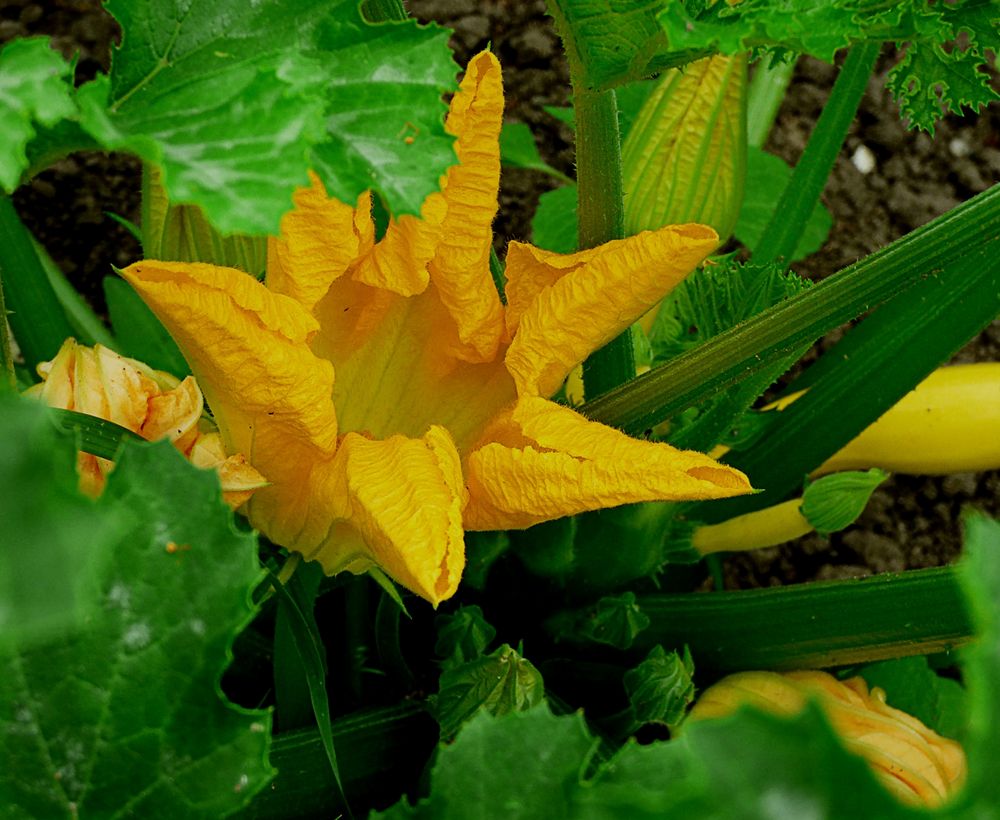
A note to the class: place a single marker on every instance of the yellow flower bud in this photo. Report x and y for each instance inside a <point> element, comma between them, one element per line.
<point>910,760</point>
<point>99,382</point>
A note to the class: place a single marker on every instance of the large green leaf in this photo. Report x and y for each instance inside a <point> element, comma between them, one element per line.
<point>43,515</point>
<point>522,765</point>
<point>236,101</point>
<point>34,88</point>
<point>126,718</point>
<point>928,80</point>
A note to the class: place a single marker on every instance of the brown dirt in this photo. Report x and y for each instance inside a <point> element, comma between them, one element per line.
<point>911,521</point>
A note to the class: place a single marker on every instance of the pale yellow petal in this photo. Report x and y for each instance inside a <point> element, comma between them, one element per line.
<point>595,301</point>
<point>320,239</point>
<point>270,395</point>
<point>57,388</point>
<point>541,461</point>
<point>399,504</point>
<point>174,415</point>
<point>461,267</point>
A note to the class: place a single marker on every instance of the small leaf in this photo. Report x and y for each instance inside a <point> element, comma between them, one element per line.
<point>554,226</point>
<point>127,718</point>
<point>613,620</point>
<point>767,176</point>
<point>834,502</point>
<point>35,87</point>
<point>661,687</point>
<point>518,150</point>
<point>499,683</point>
<point>462,636</point>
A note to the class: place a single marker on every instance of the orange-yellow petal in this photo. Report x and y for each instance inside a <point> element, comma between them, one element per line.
<point>238,479</point>
<point>541,461</point>
<point>270,395</point>
<point>461,267</point>
<point>398,505</point>
<point>320,239</point>
<point>594,301</point>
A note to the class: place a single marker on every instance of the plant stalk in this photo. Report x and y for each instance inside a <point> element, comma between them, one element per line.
<point>764,96</point>
<point>601,214</point>
<point>9,379</point>
<point>809,177</point>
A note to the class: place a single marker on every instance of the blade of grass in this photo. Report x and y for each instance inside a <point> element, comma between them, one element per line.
<point>8,379</point>
<point>95,436</point>
<point>292,687</point>
<point>37,319</point>
<point>915,260</point>
<point>390,652</point>
<point>311,654</point>
<point>808,179</point>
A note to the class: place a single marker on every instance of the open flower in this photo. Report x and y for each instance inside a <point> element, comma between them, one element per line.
<point>99,382</point>
<point>910,760</point>
<point>438,419</point>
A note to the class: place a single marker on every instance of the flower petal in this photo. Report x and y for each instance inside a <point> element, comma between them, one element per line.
<point>400,503</point>
<point>320,239</point>
<point>541,461</point>
<point>461,267</point>
<point>271,396</point>
<point>174,415</point>
<point>594,301</point>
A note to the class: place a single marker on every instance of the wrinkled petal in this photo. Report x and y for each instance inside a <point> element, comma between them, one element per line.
<point>398,262</point>
<point>320,239</point>
<point>595,300</point>
<point>460,269</point>
<point>238,479</point>
<point>541,461</point>
<point>174,415</point>
<point>399,506</point>
<point>270,395</point>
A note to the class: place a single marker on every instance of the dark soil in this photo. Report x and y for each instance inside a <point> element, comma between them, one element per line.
<point>911,522</point>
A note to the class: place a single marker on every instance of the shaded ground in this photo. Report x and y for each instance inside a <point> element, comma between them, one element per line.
<point>911,522</point>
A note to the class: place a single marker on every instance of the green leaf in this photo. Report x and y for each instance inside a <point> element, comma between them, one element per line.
<point>615,41</point>
<point>713,299</point>
<point>47,582</point>
<point>462,636</point>
<point>767,177</point>
<point>614,620</point>
<point>499,683</point>
<point>518,150</point>
<point>127,718</point>
<point>835,501</point>
<point>927,80</point>
<point>912,686</point>
<point>554,225</point>
<point>979,574</point>
<point>235,103</point>
<point>35,87</point>
<point>750,765</point>
<point>140,335</point>
<point>524,765</point>
<point>92,434</point>
<point>661,687</point>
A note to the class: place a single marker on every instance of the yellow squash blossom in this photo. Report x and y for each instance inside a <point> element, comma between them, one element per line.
<point>99,382</point>
<point>913,762</point>
<point>438,420</point>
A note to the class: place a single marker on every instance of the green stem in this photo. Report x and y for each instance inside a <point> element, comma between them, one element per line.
<point>601,215</point>
<point>764,96</point>
<point>812,625</point>
<point>6,359</point>
<point>916,260</point>
<point>809,177</point>
<point>36,317</point>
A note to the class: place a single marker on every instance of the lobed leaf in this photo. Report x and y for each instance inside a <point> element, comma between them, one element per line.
<point>126,717</point>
